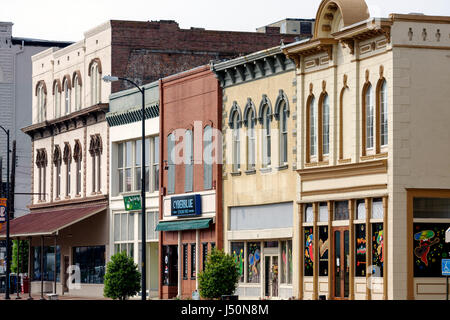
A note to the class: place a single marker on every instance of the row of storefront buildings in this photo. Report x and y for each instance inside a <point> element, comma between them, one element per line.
<point>320,164</point>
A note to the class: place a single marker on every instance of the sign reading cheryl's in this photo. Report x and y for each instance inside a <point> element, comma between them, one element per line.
<point>186,205</point>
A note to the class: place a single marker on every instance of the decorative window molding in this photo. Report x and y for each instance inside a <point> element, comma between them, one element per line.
<point>234,109</point>
<point>282,97</point>
<point>382,109</point>
<point>367,92</point>
<point>250,106</point>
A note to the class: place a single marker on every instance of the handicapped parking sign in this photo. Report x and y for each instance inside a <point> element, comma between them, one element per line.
<point>446,267</point>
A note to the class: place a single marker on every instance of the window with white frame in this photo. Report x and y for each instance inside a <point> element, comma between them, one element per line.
<point>369,117</point>
<point>384,114</point>
<point>56,100</point>
<point>77,85</point>
<point>266,123</point>
<point>41,163</point>
<point>41,103</point>
<point>326,125</point>
<point>95,83</point>
<point>251,140</point>
<point>57,160</point>
<point>124,235</point>
<point>129,165</point>
<point>283,133</point>
<point>188,161</point>
<point>66,90</point>
<point>68,162</point>
<point>95,149</point>
<point>236,142</point>
<point>77,156</point>
<point>171,163</point>
<point>207,158</point>
<point>312,127</point>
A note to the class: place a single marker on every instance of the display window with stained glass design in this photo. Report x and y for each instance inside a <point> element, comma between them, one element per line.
<point>309,252</point>
<point>361,250</point>
<point>377,249</point>
<point>429,248</point>
<point>237,250</point>
<point>323,250</point>
<point>254,262</point>
<point>286,262</point>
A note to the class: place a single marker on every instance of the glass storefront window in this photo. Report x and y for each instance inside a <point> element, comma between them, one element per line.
<point>309,214</point>
<point>49,263</point>
<point>254,262</point>
<point>361,209</point>
<point>170,265</point>
<point>237,250</point>
<point>309,252</point>
<point>377,249</point>
<point>91,261</point>
<point>377,209</point>
<point>323,250</point>
<point>283,262</point>
<point>341,210</point>
<point>323,212</point>
<point>361,250</point>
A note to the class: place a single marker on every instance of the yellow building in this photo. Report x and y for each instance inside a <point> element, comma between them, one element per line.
<point>259,171</point>
<point>372,154</point>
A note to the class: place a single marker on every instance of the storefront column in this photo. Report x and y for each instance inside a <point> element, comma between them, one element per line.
<point>29,269</point>
<point>197,257</point>
<point>368,249</point>
<point>180,258</point>
<point>330,242</point>
<point>385,248</point>
<point>316,252</point>
<point>54,264</point>
<point>300,252</point>
<point>351,209</point>
<point>42,268</point>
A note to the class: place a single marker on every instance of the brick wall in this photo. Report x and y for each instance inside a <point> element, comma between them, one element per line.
<point>148,51</point>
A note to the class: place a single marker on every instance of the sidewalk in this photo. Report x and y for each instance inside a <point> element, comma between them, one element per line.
<point>24,297</point>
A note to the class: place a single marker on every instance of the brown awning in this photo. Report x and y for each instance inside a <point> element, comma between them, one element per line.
<point>48,222</point>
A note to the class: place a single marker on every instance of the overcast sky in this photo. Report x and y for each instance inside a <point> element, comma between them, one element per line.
<point>68,20</point>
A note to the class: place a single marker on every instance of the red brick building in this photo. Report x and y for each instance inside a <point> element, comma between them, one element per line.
<point>191,191</point>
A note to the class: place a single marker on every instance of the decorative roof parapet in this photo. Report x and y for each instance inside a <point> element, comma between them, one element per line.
<point>119,118</point>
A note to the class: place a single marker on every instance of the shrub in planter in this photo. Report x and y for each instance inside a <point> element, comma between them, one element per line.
<point>122,278</point>
<point>220,277</point>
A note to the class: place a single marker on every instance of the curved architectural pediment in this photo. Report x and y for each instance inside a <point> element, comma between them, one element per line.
<point>333,15</point>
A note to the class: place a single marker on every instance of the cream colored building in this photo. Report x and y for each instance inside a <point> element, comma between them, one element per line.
<point>259,177</point>
<point>372,154</point>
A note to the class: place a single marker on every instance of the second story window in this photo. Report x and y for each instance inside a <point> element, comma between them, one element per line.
<point>383,114</point>
<point>283,134</point>
<point>41,95</point>
<point>95,75</point>
<point>67,158</point>
<point>369,117</point>
<point>266,135</point>
<point>77,157</point>
<point>188,161</point>
<point>77,88</point>
<point>56,99</point>
<point>251,140</point>
<point>57,160</point>
<point>312,127</point>
<point>66,96</point>
<point>95,149</point>
<point>41,163</point>
<point>207,158</point>
<point>325,125</point>
<point>171,163</point>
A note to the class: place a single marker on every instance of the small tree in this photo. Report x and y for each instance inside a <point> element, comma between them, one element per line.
<point>122,278</point>
<point>23,256</point>
<point>220,277</point>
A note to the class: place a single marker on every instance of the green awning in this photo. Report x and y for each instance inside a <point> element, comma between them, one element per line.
<point>183,225</point>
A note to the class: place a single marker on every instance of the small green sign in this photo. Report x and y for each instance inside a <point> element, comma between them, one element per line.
<point>132,203</point>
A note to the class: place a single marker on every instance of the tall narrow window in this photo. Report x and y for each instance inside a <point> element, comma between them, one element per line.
<point>236,143</point>
<point>193,261</point>
<point>207,158</point>
<point>326,125</point>
<point>68,161</point>
<point>77,156</point>
<point>57,162</point>
<point>95,149</point>
<point>156,163</point>
<point>384,114</point>
<point>95,83</point>
<point>56,100</point>
<point>312,128</point>
<point>188,161</point>
<point>41,163</point>
<point>251,140</point>
<point>283,134</point>
<point>369,117</point>
<point>120,165</point>
<point>171,163</point>
<point>66,87</point>
<point>77,86</point>
<point>266,136</point>
<point>41,103</point>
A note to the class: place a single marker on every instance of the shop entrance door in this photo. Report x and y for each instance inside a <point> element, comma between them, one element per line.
<point>271,276</point>
<point>341,263</point>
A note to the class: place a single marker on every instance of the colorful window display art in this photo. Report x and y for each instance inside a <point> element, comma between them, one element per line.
<point>429,248</point>
<point>286,262</point>
<point>309,252</point>
<point>361,250</point>
<point>377,249</point>
<point>237,249</point>
<point>289,261</point>
<point>323,250</point>
<point>254,261</point>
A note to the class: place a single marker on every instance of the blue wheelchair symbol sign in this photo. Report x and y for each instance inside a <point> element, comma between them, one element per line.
<point>446,267</point>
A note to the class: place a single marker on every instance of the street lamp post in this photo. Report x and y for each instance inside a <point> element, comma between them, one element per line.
<point>143,253</point>
<point>8,258</point>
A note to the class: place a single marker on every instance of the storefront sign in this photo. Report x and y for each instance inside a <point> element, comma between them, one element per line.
<point>186,205</point>
<point>2,210</point>
<point>132,203</point>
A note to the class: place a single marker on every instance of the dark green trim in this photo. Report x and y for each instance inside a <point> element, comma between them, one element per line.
<point>130,116</point>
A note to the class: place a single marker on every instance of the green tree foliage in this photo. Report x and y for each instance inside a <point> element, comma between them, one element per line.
<point>122,278</point>
<point>220,277</point>
<point>23,257</point>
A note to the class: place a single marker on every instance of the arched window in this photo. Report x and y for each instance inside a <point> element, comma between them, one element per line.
<point>77,156</point>
<point>312,127</point>
<point>77,87</point>
<point>66,93</point>
<point>95,83</point>
<point>266,122</point>
<point>251,139</point>
<point>56,100</point>
<point>41,102</point>
<point>383,98</point>
<point>57,160</point>
<point>283,134</point>
<point>207,158</point>
<point>236,143</point>
<point>171,163</point>
<point>67,158</point>
<point>188,161</point>
<point>325,125</point>
<point>95,149</point>
<point>369,117</point>
<point>41,163</point>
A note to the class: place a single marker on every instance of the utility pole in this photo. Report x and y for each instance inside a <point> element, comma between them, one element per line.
<point>12,187</point>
